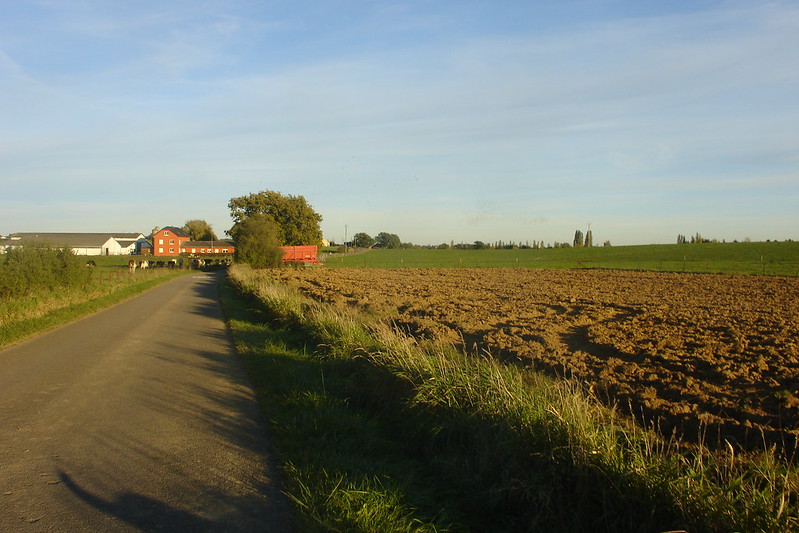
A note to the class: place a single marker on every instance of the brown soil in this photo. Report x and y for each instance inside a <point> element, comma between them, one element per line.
<point>688,352</point>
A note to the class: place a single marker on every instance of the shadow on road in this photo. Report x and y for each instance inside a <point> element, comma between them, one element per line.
<point>145,513</point>
<point>206,391</point>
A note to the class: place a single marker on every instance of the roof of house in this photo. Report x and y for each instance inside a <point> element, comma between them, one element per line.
<point>178,232</point>
<point>82,240</point>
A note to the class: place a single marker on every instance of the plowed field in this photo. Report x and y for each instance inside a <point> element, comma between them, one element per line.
<point>684,351</point>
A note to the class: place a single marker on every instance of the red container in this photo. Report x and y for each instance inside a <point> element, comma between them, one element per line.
<point>299,254</point>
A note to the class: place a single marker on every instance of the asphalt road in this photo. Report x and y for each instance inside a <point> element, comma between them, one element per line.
<point>138,418</point>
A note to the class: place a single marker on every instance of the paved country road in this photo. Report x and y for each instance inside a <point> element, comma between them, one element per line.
<point>137,418</point>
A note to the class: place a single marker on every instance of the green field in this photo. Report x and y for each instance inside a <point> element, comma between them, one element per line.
<point>769,258</point>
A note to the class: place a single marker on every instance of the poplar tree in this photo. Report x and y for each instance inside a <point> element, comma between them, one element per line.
<point>578,239</point>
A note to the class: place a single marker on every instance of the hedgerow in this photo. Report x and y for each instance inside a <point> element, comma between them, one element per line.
<point>40,267</point>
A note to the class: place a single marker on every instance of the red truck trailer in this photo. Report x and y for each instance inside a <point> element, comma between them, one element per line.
<point>299,254</point>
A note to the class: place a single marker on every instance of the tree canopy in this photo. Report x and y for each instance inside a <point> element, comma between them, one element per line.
<point>388,240</point>
<point>297,222</point>
<point>199,230</point>
<point>363,240</point>
<point>256,239</point>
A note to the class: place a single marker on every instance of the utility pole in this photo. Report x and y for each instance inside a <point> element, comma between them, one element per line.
<point>345,238</point>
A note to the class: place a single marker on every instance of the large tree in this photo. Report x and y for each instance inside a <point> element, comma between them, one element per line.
<point>296,220</point>
<point>388,240</point>
<point>362,240</point>
<point>199,230</point>
<point>256,238</point>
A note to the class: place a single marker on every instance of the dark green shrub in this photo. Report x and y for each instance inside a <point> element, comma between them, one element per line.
<point>256,239</point>
<point>35,267</point>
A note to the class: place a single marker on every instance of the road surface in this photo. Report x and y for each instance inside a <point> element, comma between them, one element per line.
<point>138,418</point>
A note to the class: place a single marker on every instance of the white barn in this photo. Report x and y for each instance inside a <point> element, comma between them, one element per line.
<point>82,243</point>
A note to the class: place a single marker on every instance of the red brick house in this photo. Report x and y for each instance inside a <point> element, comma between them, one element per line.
<point>167,241</point>
<point>172,241</point>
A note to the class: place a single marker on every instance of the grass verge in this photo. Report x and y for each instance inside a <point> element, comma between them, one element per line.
<point>41,312</point>
<point>378,432</point>
<point>344,466</point>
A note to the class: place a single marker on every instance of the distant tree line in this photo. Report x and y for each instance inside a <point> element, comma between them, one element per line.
<point>698,239</point>
<point>695,239</point>
<point>580,240</point>
<point>381,240</point>
<point>390,240</point>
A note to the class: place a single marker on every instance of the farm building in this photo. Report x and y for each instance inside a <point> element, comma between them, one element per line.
<point>168,240</point>
<point>173,241</point>
<point>81,243</point>
<point>291,254</point>
<point>207,247</point>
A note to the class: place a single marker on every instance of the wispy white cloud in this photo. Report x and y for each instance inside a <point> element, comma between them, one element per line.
<point>221,101</point>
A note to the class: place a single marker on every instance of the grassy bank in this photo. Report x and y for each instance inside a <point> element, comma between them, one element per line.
<point>378,432</point>
<point>344,466</point>
<point>42,310</point>
<point>769,258</point>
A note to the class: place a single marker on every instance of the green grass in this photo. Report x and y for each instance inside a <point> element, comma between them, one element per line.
<point>114,261</point>
<point>379,432</point>
<point>23,317</point>
<point>344,467</point>
<point>769,258</point>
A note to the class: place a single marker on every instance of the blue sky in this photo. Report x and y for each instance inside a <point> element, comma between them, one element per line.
<point>439,121</point>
